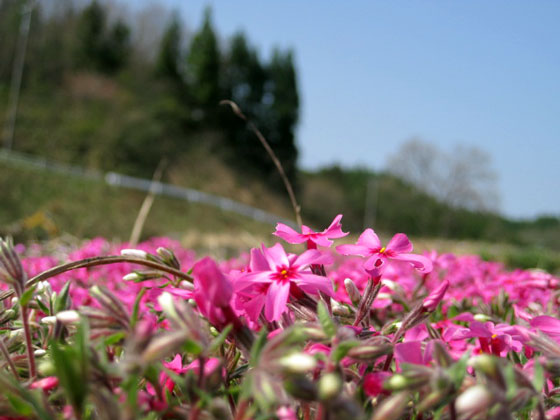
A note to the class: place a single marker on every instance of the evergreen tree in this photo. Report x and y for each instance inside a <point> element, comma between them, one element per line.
<point>89,36</point>
<point>282,94</point>
<point>204,67</point>
<point>169,55</point>
<point>100,48</point>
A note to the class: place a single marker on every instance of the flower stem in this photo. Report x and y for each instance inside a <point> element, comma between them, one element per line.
<point>9,360</point>
<point>28,342</point>
<point>92,262</point>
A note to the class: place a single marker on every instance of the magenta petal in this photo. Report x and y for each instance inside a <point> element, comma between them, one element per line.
<point>375,262</point>
<point>258,262</point>
<point>312,256</point>
<point>288,234</point>
<point>251,279</point>
<point>479,329</point>
<point>546,324</point>
<point>276,256</point>
<point>321,240</point>
<point>419,262</point>
<point>335,229</point>
<point>276,299</point>
<point>312,283</point>
<point>370,240</point>
<point>399,244</point>
<point>211,284</point>
<point>253,308</point>
<point>360,250</point>
<point>409,352</point>
<point>434,298</point>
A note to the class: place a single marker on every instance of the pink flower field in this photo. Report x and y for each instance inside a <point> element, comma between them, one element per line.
<point>351,331</point>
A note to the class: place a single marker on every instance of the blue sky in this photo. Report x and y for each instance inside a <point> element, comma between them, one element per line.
<point>373,74</point>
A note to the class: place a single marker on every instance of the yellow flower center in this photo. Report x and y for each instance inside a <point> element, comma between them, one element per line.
<point>382,250</point>
<point>494,335</point>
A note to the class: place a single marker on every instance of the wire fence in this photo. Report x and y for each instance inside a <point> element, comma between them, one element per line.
<point>140,184</point>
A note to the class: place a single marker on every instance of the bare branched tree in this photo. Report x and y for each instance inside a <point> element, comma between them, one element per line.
<point>461,177</point>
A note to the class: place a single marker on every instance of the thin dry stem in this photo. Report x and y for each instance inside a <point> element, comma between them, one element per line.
<point>146,206</point>
<point>237,111</point>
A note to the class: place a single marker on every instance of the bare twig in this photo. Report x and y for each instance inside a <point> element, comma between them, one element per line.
<point>146,205</point>
<point>237,111</point>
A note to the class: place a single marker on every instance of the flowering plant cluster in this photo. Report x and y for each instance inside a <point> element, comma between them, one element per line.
<point>355,331</point>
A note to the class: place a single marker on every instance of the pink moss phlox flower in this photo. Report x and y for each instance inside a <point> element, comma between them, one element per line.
<point>496,339</point>
<point>46,384</point>
<point>213,293</point>
<point>435,297</point>
<point>274,274</point>
<point>414,352</point>
<point>548,325</point>
<point>286,413</point>
<point>312,238</point>
<point>399,248</point>
<point>373,383</point>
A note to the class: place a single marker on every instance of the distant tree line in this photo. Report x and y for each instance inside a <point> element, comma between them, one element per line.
<point>177,91</point>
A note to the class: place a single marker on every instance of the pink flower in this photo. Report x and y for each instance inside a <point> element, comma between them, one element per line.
<point>548,325</point>
<point>434,298</point>
<point>399,248</point>
<point>312,238</point>
<point>213,293</point>
<point>274,274</point>
<point>373,383</point>
<point>46,384</point>
<point>496,339</point>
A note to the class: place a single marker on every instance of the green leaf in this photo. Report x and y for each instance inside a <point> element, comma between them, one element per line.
<point>452,312</point>
<point>71,366</point>
<point>220,339</point>
<point>538,376</point>
<point>43,307</point>
<point>342,349</point>
<point>324,318</point>
<point>27,295</point>
<point>458,370</point>
<point>115,338</point>
<point>20,406</point>
<point>192,347</point>
<point>136,307</point>
<point>257,347</point>
<point>62,301</point>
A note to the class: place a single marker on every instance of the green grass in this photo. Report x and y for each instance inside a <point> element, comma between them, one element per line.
<point>88,208</point>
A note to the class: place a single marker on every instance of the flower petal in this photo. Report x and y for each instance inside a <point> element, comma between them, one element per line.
<point>419,262</point>
<point>349,249</point>
<point>370,240</point>
<point>312,256</point>
<point>288,234</point>
<point>276,299</point>
<point>399,244</point>
<point>276,256</point>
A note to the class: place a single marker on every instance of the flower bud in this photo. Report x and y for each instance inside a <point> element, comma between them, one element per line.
<point>368,352</point>
<point>434,298</point>
<point>132,277</point>
<point>302,388</point>
<point>329,386</point>
<point>39,352</point>
<point>297,363</point>
<point>48,320</point>
<point>137,253</point>
<point>352,290</point>
<point>11,270</point>
<point>68,317</point>
<point>392,407</point>
<point>474,400</point>
<point>481,318</point>
<point>168,257</point>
